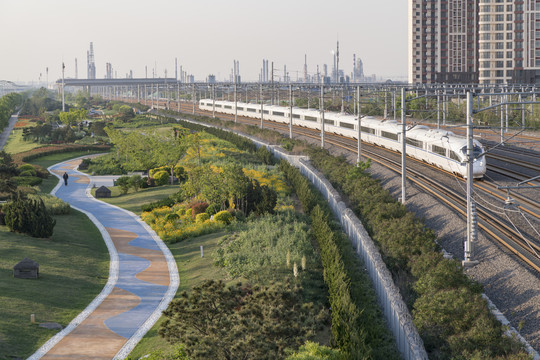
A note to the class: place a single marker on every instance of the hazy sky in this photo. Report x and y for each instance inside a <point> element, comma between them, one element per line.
<point>205,35</point>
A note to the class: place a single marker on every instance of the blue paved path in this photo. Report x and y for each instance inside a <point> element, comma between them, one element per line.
<point>143,279</point>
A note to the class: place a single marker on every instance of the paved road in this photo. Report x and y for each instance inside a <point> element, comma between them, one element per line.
<point>4,135</point>
<point>143,279</point>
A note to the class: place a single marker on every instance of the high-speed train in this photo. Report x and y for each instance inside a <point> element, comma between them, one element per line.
<point>438,147</point>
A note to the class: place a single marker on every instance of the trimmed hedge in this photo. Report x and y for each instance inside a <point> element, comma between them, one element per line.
<point>358,326</point>
<point>49,150</point>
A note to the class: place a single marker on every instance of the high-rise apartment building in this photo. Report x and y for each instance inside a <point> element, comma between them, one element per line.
<point>474,41</point>
<point>509,35</point>
<point>443,41</point>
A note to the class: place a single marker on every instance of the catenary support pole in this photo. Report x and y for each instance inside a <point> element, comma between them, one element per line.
<point>403,146</point>
<point>358,107</point>
<point>322,115</point>
<point>290,111</point>
<point>235,104</point>
<point>262,102</point>
<point>471,224</point>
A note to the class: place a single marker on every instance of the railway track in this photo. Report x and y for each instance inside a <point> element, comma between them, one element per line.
<point>498,229</point>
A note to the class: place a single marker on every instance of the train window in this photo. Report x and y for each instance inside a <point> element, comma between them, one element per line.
<point>218,106</point>
<point>296,116</point>
<point>346,125</point>
<point>331,122</point>
<point>414,142</point>
<point>389,135</point>
<point>278,113</point>
<point>310,118</point>
<point>228,107</point>
<point>367,130</point>
<point>239,108</point>
<point>266,112</point>
<point>454,156</point>
<point>438,150</point>
<point>251,110</point>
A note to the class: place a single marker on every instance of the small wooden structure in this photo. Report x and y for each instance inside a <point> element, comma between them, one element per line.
<point>103,192</point>
<point>26,269</point>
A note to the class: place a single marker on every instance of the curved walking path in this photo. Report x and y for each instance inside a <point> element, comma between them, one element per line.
<point>143,279</point>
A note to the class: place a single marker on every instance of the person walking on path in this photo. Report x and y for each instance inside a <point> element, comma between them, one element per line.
<point>65,176</point>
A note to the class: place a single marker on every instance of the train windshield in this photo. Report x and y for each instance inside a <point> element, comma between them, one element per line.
<point>477,150</point>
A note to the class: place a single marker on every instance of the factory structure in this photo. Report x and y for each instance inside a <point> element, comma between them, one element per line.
<point>268,72</point>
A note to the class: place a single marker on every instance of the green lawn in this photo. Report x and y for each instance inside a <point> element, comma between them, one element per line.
<point>45,161</point>
<point>132,201</point>
<point>16,144</point>
<point>193,270</point>
<point>73,270</point>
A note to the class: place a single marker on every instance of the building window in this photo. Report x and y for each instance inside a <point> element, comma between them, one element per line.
<point>509,63</point>
<point>509,17</point>
<point>509,26</point>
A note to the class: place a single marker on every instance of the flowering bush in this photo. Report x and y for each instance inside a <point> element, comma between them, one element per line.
<point>173,224</point>
<point>223,217</point>
<point>161,178</point>
<point>202,217</point>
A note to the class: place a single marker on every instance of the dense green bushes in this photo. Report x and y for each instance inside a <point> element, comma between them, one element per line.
<point>452,318</point>
<point>357,324</point>
<point>239,141</point>
<point>28,216</point>
<point>8,104</point>
<point>54,205</point>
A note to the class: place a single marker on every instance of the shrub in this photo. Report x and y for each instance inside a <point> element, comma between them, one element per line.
<point>27,170</point>
<point>202,217</point>
<point>123,183</point>
<point>224,217</point>
<point>54,205</point>
<point>161,178</point>
<point>154,171</point>
<point>265,155</point>
<point>180,173</point>
<point>27,173</point>
<point>30,217</point>
<point>136,182</point>
<point>27,180</point>
<point>198,208</point>
<point>171,217</point>
<point>212,209</point>
<point>188,212</point>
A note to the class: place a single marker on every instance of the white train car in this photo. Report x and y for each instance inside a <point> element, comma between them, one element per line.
<point>440,148</point>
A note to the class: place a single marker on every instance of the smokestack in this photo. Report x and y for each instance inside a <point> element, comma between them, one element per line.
<point>76,70</point>
<point>305,69</point>
<point>337,63</point>
<point>176,68</point>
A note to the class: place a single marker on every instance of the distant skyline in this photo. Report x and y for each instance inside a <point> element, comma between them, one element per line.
<point>205,36</point>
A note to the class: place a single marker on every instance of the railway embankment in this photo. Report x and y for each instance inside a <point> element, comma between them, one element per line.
<point>472,288</point>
